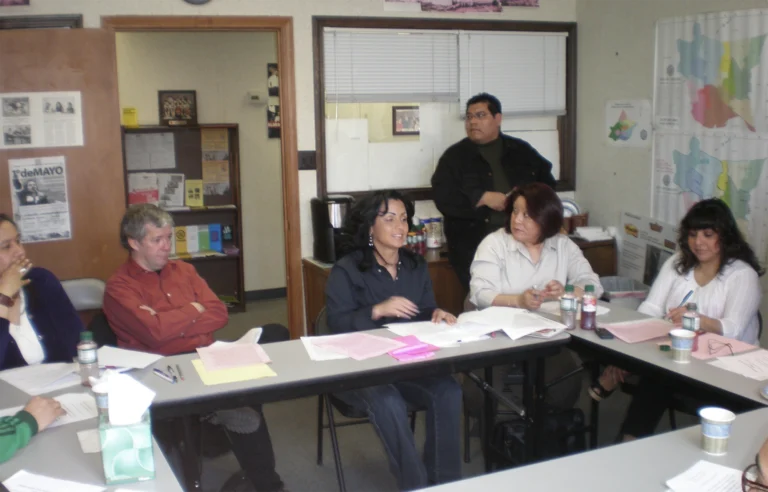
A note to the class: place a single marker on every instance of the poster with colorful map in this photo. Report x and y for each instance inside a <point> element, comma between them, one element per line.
<point>628,123</point>
<point>689,168</point>
<point>712,73</point>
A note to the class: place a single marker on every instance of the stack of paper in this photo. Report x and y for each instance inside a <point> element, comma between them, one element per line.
<point>209,378</point>
<point>753,365</point>
<point>121,358</point>
<point>78,406</point>
<point>640,331</point>
<point>23,481</point>
<point>42,378</point>
<point>516,323</point>
<point>218,357</point>
<point>319,354</point>
<point>414,349</point>
<point>359,346</point>
<point>442,334</point>
<point>706,477</point>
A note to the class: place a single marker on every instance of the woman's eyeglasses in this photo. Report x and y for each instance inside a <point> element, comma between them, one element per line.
<point>717,347</point>
<point>748,477</point>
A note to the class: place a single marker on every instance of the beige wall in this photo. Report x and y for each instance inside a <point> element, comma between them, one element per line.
<point>616,61</point>
<point>222,68</point>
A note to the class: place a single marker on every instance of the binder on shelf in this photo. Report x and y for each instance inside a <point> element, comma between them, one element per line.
<point>180,233</point>
<point>214,237</point>
<point>194,189</point>
<point>203,238</point>
<point>193,240</point>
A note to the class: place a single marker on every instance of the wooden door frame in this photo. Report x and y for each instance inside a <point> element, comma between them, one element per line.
<point>283,26</point>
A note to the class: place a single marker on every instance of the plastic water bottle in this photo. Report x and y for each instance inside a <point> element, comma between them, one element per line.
<point>568,308</point>
<point>588,308</point>
<point>87,357</point>
<point>691,318</point>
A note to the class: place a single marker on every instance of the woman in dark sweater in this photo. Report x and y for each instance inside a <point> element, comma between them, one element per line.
<point>37,320</point>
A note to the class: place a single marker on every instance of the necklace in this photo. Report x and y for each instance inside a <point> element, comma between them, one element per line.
<point>386,263</point>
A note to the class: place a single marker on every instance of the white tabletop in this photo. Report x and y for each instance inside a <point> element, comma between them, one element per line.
<point>298,375</point>
<point>57,453</point>
<point>649,353</point>
<point>639,466</point>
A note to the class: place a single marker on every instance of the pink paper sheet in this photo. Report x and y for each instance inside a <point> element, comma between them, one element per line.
<point>414,349</point>
<point>640,331</point>
<point>216,358</point>
<point>720,350</point>
<point>359,346</point>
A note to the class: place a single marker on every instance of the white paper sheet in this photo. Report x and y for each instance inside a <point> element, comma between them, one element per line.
<point>753,365</point>
<point>251,336</point>
<point>319,354</point>
<point>443,335</point>
<point>90,441</point>
<point>23,481</point>
<point>516,323</point>
<point>41,119</point>
<point>42,378</point>
<point>118,358</point>
<point>79,406</point>
<point>707,477</point>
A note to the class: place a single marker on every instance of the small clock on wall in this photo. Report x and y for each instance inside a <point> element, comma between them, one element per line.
<point>197,2</point>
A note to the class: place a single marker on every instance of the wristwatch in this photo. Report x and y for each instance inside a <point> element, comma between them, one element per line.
<point>6,301</point>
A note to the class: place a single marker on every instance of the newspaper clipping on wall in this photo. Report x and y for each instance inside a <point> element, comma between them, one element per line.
<point>646,245</point>
<point>41,119</point>
<point>39,197</point>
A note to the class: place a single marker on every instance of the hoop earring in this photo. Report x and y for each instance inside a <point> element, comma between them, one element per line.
<point>370,240</point>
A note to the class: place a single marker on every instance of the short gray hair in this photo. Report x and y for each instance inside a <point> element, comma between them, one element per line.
<point>138,216</point>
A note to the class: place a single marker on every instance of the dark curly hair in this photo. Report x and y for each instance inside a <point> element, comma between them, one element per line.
<point>360,220</point>
<point>714,214</point>
<point>543,206</point>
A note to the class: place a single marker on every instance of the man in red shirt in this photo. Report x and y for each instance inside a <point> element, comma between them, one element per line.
<point>163,306</point>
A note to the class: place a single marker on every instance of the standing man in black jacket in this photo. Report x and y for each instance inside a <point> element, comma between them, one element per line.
<point>474,176</point>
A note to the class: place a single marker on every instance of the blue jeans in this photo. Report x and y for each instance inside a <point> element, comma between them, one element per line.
<point>387,408</point>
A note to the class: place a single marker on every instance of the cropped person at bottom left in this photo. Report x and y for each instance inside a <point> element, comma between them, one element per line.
<point>17,430</point>
<point>163,306</point>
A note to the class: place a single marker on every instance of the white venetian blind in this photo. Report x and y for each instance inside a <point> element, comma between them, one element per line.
<point>526,71</point>
<point>374,65</point>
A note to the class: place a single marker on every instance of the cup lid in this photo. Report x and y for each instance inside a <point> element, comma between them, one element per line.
<point>717,414</point>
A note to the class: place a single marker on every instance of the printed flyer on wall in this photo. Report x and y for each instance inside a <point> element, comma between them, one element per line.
<point>646,245</point>
<point>39,197</point>
<point>41,119</point>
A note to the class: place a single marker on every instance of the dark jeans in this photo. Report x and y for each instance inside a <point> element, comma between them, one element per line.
<point>387,408</point>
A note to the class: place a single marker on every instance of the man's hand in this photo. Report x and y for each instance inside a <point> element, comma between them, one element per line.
<point>148,309</point>
<point>439,315</point>
<point>45,411</point>
<point>200,308</point>
<point>493,200</point>
<point>395,307</point>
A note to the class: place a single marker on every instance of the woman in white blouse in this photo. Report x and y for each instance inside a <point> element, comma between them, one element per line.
<point>528,261</point>
<point>716,264</point>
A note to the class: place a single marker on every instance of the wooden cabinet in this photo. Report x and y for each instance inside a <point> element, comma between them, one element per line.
<point>448,292</point>
<point>221,199</point>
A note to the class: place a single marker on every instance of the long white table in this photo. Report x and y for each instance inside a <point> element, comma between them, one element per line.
<point>57,453</point>
<point>639,466</point>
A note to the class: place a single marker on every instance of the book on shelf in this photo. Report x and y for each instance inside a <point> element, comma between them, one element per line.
<point>214,237</point>
<point>171,190</point>
<point>193,239</point>
<point>142,188</point>
<point>203,238</point>
<point>180,233</point>
<point>194,192</point>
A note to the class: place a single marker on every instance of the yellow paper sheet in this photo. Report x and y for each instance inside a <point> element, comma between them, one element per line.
<point>194,189</point>
<point>256,371</point>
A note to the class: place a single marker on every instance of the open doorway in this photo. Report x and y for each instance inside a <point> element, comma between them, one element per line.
<point>233,64</point>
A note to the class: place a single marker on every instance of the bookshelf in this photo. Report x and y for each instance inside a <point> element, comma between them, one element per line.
<point>158,156</point>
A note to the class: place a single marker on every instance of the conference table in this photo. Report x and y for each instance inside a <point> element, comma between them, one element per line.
<point>643,465</point>
<point>56,452</point>
<point>299,376</point>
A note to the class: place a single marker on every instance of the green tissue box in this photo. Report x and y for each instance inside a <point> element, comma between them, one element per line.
<point>126,451</point>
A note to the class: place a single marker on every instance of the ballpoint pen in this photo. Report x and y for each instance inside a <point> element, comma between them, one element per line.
<point>171,373</point>
<point>163,375</point>
<point>181,374</point>
<point>682,303</point>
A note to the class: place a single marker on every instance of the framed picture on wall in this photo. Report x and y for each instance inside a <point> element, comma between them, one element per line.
<point>405,120</point>
<point>177,107</point>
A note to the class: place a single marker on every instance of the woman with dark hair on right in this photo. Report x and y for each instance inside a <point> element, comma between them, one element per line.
<point>718,266</point>
<point>380,282</point>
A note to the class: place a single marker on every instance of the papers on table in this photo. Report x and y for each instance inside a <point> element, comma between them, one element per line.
<point>23,481</point>
<point>413,350</point>
<point>359,346</point>
<point>122,358</point>
<point>753,365</point>
<point>707,477</point>
<point>516,323</point>
<point>640,331</point>
<point>442,334</point>
<point>209,378</point>
<point>79,406</point>
<point>719,347</point>
<point>42,378</point>
<point>233,355</point>
<point>90,441</point>
<point>553,308</point>
<point>320,354</point>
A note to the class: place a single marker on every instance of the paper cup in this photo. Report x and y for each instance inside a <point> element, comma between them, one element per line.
<point>682,345</point>
<point>715,429</point>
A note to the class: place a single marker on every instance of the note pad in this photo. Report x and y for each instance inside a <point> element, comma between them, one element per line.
<point>640,331</point>
<point>235,355</point>
<point>236,375</point>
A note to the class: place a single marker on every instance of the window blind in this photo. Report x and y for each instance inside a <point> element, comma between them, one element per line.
<point>526,71</point>
<point>374,65</point>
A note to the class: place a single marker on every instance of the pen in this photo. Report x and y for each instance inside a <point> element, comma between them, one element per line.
<point>170,372</point>
<point>682,303</point>
<point>181,374</point>
<point>162,375</point>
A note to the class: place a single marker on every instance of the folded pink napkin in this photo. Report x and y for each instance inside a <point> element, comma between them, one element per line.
<point>414,349</point>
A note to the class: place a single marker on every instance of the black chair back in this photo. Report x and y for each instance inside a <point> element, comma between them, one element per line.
<point>102,332</point>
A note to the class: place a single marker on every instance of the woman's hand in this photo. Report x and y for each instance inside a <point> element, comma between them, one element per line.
<point>439,315</point>
<point>531,299</point>
<point>395,307</point>
<point>554,290</point>
<point>11,280</point>
<point>676,315</point>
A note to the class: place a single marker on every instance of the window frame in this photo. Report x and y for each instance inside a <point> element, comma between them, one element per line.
<point>41,22</point>
<point>566,124</point>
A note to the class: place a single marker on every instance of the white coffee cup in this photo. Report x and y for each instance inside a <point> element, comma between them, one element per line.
<point>715,429</point>
<point>682,345</point>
